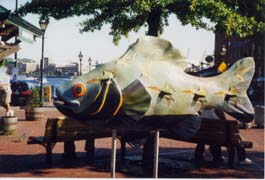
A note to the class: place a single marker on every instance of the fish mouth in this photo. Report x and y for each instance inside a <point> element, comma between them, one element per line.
<point>65,104</point>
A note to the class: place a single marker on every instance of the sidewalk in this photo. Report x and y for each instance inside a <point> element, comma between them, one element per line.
<point>17,159</point>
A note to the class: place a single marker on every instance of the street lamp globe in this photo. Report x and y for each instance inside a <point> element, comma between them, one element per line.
<point>80,58</point>
<point>89,63</point>
<point>223,51</point>
<point>44,21</point>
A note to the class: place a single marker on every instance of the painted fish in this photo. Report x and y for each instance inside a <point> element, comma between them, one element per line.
<point>148,86</point>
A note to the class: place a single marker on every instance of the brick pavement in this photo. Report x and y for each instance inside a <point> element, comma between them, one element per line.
<point>17,159</point>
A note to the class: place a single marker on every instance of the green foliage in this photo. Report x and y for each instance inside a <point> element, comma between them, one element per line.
<point>3,63</point>
<point>34,100</point>
<point>130,15</point>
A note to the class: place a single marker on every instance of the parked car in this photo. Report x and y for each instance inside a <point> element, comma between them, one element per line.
<point>21,92</point>
<point>256,91</point>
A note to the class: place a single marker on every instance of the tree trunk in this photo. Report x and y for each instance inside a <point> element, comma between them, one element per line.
<point>153,22</point>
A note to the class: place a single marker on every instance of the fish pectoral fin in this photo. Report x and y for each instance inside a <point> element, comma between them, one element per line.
<point>136,99</point>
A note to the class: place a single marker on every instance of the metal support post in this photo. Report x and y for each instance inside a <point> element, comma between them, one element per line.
<point>113,153</point>
<point>41,70</point>
<point>156,155</point>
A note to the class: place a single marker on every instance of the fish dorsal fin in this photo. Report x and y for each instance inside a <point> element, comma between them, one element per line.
<point>136,99</point>
<point>151,48</point>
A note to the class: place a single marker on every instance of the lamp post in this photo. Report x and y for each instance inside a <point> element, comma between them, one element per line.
<point>89,64</point>
<point>80,59</point>
<point>44,21</point>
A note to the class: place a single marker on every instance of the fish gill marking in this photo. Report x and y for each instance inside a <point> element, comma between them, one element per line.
<point>198,95</point>
<point>104,99</point>
<point>196,98</point>
<point>162,94</point>
<point>154,88</point>
<point>233,101</point>
<point>241,72</point>
<point>231,91</point>
<point>166,95</point>
<point>228,94</point>
<point>168,88</point>
<point>228,97</point>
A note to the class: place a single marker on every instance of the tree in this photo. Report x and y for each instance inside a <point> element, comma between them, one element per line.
<point>130,15</point>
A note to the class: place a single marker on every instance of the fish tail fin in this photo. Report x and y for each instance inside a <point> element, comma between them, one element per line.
<point>237,80</point>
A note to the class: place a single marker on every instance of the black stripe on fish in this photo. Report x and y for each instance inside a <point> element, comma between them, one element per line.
<point>108,101</point>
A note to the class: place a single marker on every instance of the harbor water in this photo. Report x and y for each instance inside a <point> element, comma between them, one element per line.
<point>54,82</point>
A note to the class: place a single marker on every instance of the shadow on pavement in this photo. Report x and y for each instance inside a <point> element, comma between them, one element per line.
<point>173,163</point>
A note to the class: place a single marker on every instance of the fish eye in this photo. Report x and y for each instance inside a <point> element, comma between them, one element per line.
<point>79,89</point>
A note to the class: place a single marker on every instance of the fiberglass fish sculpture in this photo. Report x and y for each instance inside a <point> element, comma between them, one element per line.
<point>148,86</point>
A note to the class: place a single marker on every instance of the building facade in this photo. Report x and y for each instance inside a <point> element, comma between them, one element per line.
<point>237,48</point>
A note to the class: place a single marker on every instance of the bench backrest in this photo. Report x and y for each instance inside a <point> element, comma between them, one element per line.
<point>213,131</point>
<point>67,129</point>
<point>225,132</point>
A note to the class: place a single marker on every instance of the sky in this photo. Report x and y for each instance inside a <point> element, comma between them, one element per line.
<point>63,42</point>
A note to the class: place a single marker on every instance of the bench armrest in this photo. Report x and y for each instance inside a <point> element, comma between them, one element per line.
<point>36,140</point>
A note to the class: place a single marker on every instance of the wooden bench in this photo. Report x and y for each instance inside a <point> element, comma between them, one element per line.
<point>220,132</point>
<point>67,131</point>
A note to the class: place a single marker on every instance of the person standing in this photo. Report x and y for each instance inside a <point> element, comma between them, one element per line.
<point>5,89</point>
<point>215,149</point>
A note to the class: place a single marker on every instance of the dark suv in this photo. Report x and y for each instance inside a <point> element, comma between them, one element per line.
<point>21,92</point>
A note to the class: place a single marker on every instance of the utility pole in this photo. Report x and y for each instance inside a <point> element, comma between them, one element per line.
<point>15,56</point>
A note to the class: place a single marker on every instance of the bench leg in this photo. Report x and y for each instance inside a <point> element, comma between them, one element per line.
<point>123,149</point>
<point>49,148</point>
<point>69,150</point>
<point>199,154</point>
<point>231,156</point>
<point>90,149</point>
<point>148,154</point>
